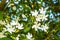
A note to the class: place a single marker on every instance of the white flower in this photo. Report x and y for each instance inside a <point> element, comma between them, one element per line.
<point>58,14</point>
<point>17,38</point>
<point>38,18</point>
<point>16,1</point>
<point>11,4</point>
<point>41,17</point>
<point>14,8</point>
<point>29,36</point>
<point>23,16</point>
<point>21,7</point>
<point>44,17</point>
<point>4,30</point>
<point>13,22</point>
<point>2,35</point>
<point>11,29</point>
<point>25,19</point>
<point>20,26</point>
<point>34,13</point>
<point>51,15</point>
<point>13,17</point>
<point>43,11</point>
<point>43,4</point>
<point>0,1</point>
<point>38,2</point>
<point>36,26</point>
<point>8,25</point>
<point>44,28</point>
<point>2,22</point>
<point>7,1</point>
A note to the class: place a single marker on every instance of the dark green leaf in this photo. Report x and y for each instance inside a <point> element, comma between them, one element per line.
<point>1,16</point>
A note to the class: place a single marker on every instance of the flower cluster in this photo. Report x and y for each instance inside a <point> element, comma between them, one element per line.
<point>39,17</point>
<point>20,20</point>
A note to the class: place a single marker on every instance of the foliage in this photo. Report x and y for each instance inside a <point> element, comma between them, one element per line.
<point>30,20</point>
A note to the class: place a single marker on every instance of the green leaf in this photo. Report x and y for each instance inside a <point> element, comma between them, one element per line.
<point>1,16</point>
<point>26,29</point>
<point>56,37</point>
<point>5,38</point>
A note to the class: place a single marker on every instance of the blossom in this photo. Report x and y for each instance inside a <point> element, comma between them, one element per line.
<point>2,22</point>
<point>42,10</point>
<point>44,28</point>
<point>29,36</point>
<point>11,4</point>
<point>20,26</point>
<point>14,8</point>
<point>43,4</point>
<point>0,1</point>
<point>9,28</point>
<point>13,22</point>
<point>13,17</point>
<point>21,7</point>
<point>7,1</point>
<point>2,35</point>
<point>41,17</point>
<point>51,15</point>
<point>4,30</point>
<point>25,19</point>
<point>44,17</point>
<point>23,16</point>
<point>58,14</point>
<point>17,38</point>
<point>54,1</point>
<point>36,26</point>
<point>34,13</point>
<point>38,2</point>
<point>16,1</point>
<point>8,25</point>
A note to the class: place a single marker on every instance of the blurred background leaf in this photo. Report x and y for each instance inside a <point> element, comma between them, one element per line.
<point>1,16</point>
<point>5,38</point>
